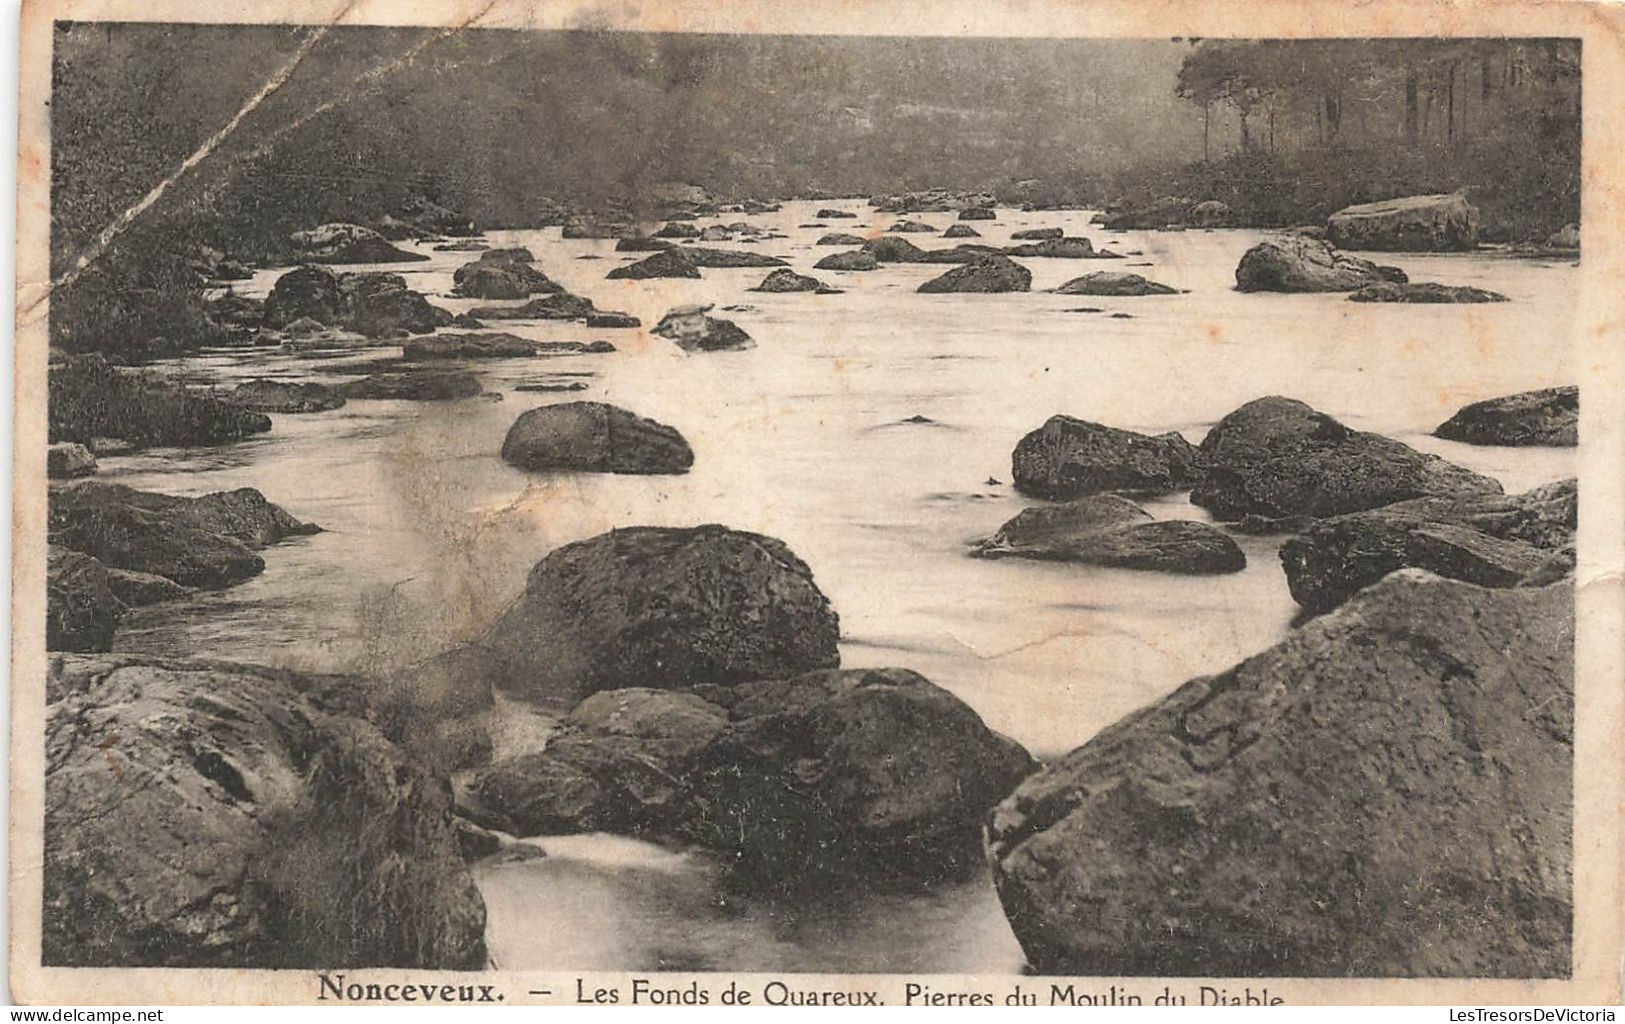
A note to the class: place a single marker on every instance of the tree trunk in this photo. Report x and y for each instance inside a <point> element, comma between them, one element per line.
<point>1410,108</point>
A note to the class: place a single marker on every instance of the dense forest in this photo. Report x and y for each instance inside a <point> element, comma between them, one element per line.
<point>304,125</point>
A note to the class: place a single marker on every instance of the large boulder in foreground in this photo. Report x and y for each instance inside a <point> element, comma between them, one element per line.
<point>1277,457</point>
<point>1550,416</point>
<point>1435,223</point>
<point>204,814</point>
<point>869,774</point>
<point>207,541</point>
<point>593,437</point>
<point>1068,458</point>
<point>664,608</point>
<point>987,273</point>
<point>1106,530</point>
<point>1493,540</point>
<point>1386,793</point>
<point>1298,263</point>
<point>694,331</point>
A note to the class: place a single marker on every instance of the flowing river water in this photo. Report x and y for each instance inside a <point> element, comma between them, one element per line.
<point>810,437</point>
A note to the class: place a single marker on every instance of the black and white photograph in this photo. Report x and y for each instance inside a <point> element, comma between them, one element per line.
<point>556,501</point>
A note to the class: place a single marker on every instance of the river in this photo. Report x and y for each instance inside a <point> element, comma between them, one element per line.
<point>428,534</point>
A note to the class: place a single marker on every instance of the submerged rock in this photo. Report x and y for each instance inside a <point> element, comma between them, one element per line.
<point>1298,263</point>
<point>207,541</point>
<point>787,280</point>
<point>204,814</point>
<point>66,460</point>
<point>1433,223</point>
<point>596,438</point>
<point>1070,458</point>
<point>416,386</point>
<point>263,394</point>
<point>1107,530</point>
<point>1277,457</point>
<point>863,774</point>
<point>694,331</point>
<point>1493,540</point>
<point>1386,793</point>
<point>1113,282</point>
<point>348,243</point>
<point>664,608</point>
<point>490,345</point>
<point>1550,416</point>
<point>856,259</point>
<point>1424,291</point>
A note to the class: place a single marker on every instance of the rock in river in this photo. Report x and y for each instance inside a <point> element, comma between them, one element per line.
<point>1386,793</point>
<point>348,243</point>
<point>593,437</point>
<point>839,238</point>
<point>488,345</point>
<point>1433,223</point>
<point>1298,263</point>
<point>81,610</point>
<point>207,541</point>
<point>372,303</point>
<point>1104,529</point>
<point>728,259</point>
<point>665,263</point>
<point>66,460</point>
<point>558,306</point>
<point>416,386</point>
<point>1069,458</point>
<point>606,319</point>
<point>977,213</point>
<point>913,227</point>
<point>786,280</point>
<point>856,259</point>
<point>1277,457</point>
<point>892,249</point>
<point>694,331</point>
<point>262,394</point>
<point>1037,234</point>
<point>954,231</point>
<point>665,608</point>
<point>858,774</point>
<point>1113,282</point>
<point>988,274</point>
<point>1493,540</point>
<point>204,814</point>
<point>1550,416</point>
<point>1424,292</point>
<point>502,274</point>
<point>1060,248</point>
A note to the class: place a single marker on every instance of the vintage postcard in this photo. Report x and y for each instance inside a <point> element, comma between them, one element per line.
<point>933,503</point>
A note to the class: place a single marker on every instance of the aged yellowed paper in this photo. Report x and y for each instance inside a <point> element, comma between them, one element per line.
<point>936,503</point>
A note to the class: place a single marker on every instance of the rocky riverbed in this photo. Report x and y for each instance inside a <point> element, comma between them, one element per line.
<point>869,436</point>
